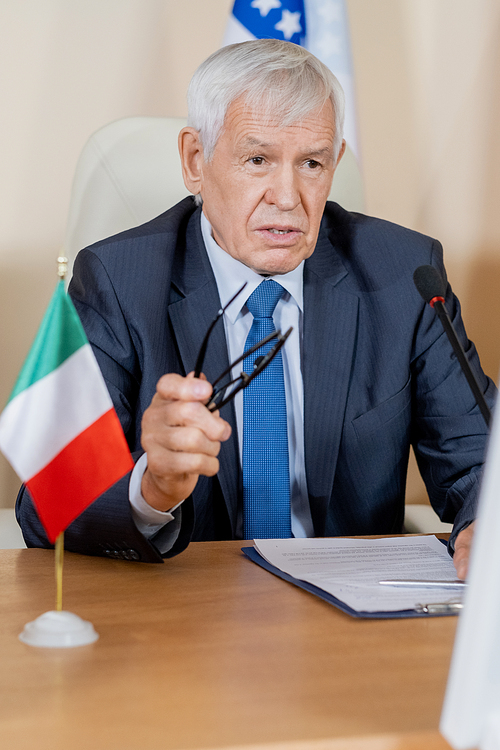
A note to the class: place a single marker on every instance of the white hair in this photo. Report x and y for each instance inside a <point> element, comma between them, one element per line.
<point>279,77</point>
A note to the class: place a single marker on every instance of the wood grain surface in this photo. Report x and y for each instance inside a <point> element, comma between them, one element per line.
<point>209,650</point>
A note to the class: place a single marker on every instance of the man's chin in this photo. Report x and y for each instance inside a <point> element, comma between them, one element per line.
<point>276,261</point>
<point>275,269</point>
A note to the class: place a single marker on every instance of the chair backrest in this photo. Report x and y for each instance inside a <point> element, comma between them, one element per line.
<point>129,172</point>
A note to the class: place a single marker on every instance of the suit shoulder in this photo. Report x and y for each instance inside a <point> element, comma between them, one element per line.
<point>375,249</point>
<point>139,260</point>
<point>162,229</point>
<point>337,221</point>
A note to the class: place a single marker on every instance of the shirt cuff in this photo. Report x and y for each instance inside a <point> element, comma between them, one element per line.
<point>147,519</point>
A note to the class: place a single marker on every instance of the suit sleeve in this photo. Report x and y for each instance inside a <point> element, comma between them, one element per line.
<point>449,432</point>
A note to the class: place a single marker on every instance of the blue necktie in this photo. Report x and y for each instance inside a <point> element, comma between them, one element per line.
<point>266,476</point>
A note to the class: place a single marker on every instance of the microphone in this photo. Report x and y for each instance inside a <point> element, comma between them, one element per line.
<point>430,284</point>
<point>431,287</point>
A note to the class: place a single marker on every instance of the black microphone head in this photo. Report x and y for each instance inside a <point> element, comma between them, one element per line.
<point>429,283</point>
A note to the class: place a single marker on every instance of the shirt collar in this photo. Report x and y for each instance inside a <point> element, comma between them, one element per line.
<point>230,274</point>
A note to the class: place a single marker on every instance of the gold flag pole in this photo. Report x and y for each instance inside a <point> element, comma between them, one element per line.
<point>59,570</point>
<point>62,269</point>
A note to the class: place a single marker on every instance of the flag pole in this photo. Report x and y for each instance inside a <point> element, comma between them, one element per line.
<point>59,570</point>
<point>62,270</point>
<point>62,266</point>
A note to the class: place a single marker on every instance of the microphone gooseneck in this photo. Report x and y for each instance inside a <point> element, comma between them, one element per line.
<point>431,287</point>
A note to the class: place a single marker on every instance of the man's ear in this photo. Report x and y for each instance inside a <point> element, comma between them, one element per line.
<point>191,153</point>
<point>341,153</point>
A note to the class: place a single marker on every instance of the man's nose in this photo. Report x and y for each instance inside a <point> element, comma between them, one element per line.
<point>283,189</point>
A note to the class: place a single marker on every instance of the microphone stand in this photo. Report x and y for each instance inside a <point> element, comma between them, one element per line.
<point>437,303</point>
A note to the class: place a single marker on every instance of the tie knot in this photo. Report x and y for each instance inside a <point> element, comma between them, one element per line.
<point>264,299</point>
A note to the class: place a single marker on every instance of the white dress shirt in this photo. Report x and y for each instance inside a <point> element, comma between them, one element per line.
<point>230,274</point>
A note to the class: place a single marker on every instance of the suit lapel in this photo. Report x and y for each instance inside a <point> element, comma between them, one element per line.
<point>330,324</point>
<point>190,314</point>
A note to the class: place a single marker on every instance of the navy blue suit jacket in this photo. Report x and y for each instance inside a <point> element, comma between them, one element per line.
<point>377,372</point>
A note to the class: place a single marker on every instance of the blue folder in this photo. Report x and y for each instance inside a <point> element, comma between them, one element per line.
<point>254,556</point>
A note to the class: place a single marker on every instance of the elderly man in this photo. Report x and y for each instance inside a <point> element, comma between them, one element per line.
<point>319,445</point>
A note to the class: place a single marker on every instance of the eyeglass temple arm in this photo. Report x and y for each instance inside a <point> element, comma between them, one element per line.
<point>262,362</point>
<point>203,349</point>
<point>245,378</point>
<point>269,337</point>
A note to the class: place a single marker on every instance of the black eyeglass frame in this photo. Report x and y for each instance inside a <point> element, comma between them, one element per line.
<point>244,379</point>
<point>217,400</point>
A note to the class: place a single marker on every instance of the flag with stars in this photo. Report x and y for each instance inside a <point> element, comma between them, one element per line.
<point>322,26</point>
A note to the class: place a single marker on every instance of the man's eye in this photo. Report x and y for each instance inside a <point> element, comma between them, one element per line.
<point>257,160</point>
<point>312,164</point>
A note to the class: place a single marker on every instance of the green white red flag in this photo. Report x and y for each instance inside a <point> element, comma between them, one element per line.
<point>59,429</point>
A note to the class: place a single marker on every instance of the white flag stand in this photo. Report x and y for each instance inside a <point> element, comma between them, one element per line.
<point>57,628</point>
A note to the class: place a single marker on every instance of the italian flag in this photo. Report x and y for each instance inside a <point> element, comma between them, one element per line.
<point>59,429</point>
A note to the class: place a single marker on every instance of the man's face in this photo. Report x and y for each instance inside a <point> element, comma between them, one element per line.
<point>265,188</point>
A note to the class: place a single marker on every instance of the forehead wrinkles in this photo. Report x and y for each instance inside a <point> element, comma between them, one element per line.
<point>248,125</point>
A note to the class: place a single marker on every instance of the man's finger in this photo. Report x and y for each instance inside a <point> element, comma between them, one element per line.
<point>171,414</point>
<point>463,546</point>
<point>173,387</point>
<point>179,466</point>
<point>186,440</point>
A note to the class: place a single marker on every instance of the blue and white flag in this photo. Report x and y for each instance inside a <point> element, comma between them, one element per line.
<point>266,19</point>
<point>322,26</point>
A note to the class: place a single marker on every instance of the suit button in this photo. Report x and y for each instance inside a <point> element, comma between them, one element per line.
<point>133,555</point>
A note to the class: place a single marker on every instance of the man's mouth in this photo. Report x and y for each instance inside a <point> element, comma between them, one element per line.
<point>280,236</point>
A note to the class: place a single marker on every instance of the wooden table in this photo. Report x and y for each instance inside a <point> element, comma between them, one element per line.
<point>209,650</point>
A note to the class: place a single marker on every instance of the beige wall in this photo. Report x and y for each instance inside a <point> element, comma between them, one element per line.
<point>427,74</point>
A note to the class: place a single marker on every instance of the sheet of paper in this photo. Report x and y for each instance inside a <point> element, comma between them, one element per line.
<point>351,569</point>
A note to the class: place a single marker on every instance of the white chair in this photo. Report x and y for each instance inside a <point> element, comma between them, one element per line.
<point>10,533</point>
<point>128,172</point>
<point>421,518</point>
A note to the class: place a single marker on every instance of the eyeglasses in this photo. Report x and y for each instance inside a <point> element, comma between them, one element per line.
<point>220,395</point>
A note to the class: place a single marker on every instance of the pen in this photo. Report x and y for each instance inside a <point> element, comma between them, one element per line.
<point>414,583</point>
<point>439,608</point>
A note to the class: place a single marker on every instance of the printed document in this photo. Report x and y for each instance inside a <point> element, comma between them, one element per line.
<point>350,569</point>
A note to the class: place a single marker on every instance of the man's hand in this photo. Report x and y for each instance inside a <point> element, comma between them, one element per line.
<point>462,551</point>
<point>182,440</point>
